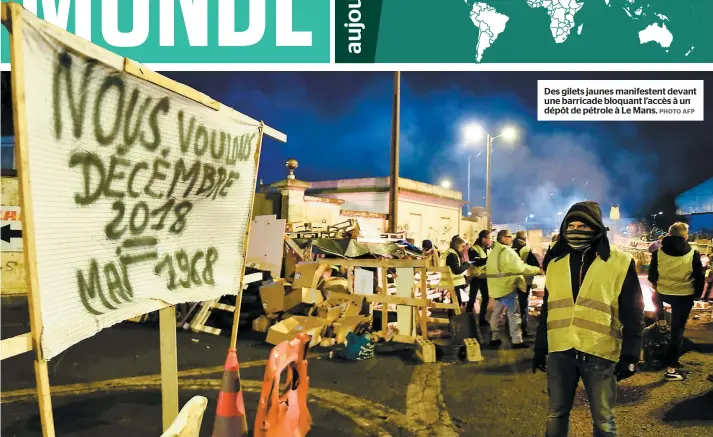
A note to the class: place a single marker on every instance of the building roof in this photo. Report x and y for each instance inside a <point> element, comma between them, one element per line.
<point>381,184</point>
<point>697,200</point>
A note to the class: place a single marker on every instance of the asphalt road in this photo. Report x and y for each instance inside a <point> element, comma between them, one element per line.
<point>109,386</point>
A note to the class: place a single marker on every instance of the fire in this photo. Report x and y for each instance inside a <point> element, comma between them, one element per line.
<point>648,294</point>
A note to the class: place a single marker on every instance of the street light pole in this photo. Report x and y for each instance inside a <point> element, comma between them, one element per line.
<point>468,210</point>
<point>395,130</point>
<point>488,165</point>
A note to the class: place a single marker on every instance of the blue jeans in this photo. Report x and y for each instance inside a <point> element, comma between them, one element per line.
<point>507,304</point>
<point>563,372</point>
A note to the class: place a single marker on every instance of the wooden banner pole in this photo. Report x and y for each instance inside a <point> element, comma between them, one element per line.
<point>169,365</point>
<point>239,297</point>
<point>14,24</point>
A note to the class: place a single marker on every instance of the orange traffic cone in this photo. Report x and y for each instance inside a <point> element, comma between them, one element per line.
<point>230,420</point>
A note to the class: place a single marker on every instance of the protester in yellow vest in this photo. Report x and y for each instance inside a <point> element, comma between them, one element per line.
<point>452,259</point>
<point>503,268</point>
<point>677,275</point>
<point>592,321</point>
<point>524,282</point>
<point>478,255</point>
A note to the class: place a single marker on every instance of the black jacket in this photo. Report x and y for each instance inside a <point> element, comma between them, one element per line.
<point>631,306</point>
<point>531,258</point>
<point>475,259</point>
<point>453,261</point>
<point>677,246</point>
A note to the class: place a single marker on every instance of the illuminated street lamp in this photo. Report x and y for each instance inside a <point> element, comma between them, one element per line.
<point>445,183</point>
<point>654,216</point>
<point>472,133</point>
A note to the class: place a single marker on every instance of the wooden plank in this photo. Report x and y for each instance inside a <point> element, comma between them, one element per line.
<point>16,345</point>
<point>396,300</point>
<point>443,306</point>
<point>423,319</point>
<point>438,320</point>
<point>388,263</point>
<point>292,245</point>
<point>406,339</point>
<point>384,291</point>
<point>136,69</point>
<point>13,21</point>
<point>169,365</point>
<point>246,241</point>
<point>404,288</point>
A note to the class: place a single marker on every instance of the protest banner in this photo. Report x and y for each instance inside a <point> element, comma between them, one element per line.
<point>136,193</point>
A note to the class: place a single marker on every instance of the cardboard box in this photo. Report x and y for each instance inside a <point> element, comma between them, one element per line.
<point>337,285</point>
<point>289,328</point>
<point>345,325</point>
<point>281,331</point>
<point>272,296</point>
<point>328,312</point>
<point>314,326</point>
<point>307,275</point>
<point>310,296</point>
<point>350,304</point>
<point>261,324</point>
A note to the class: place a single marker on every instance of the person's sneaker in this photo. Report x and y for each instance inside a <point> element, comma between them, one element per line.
<point>673,376</point>
<point>519,346</point>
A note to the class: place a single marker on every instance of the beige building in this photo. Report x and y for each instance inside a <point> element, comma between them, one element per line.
<point>425,211</point>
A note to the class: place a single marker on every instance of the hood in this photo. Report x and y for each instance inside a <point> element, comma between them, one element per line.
<point>675,246</point>
<point>590,213</point>
<point>518,244</point>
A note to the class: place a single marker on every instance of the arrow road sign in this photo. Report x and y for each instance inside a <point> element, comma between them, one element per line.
<point>11,238</point>
<point>8,233</point>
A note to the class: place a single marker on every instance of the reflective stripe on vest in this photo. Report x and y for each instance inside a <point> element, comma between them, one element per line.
<point>675,274</point>
<point>590,325</point>
<point>500,284</point>
<point>457,280</point>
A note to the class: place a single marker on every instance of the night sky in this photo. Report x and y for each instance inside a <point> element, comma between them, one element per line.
<point>339,126</point>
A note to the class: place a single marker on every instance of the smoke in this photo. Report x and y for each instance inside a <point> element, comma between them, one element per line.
<point>339,126</point>
<point>557,169</point>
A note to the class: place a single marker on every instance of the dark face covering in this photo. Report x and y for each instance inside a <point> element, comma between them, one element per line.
<point>580,239</point>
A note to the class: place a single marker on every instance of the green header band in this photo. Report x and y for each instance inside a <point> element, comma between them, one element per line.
<point>215,31</point>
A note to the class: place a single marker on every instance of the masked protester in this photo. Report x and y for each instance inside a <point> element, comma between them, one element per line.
<point>478,255</point>
<point>592,321</point>
<point>677,275</point>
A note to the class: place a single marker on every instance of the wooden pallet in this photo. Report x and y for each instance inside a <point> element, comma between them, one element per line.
<point>198,322</point>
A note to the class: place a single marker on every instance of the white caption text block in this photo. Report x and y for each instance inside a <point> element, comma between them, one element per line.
<point>620,100</point>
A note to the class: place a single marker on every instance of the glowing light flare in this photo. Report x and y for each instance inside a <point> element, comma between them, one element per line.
<point>509,133</point>
<point>472,133</point>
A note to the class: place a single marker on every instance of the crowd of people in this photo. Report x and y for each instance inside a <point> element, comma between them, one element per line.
<point>592,318</point>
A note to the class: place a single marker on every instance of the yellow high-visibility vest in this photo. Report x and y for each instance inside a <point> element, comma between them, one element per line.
<point>528,280</point>
<point>675,274</point>
<point>479,272</point>
<point>504,269</point>
<point>457,279</point>
<point>591,324</point>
